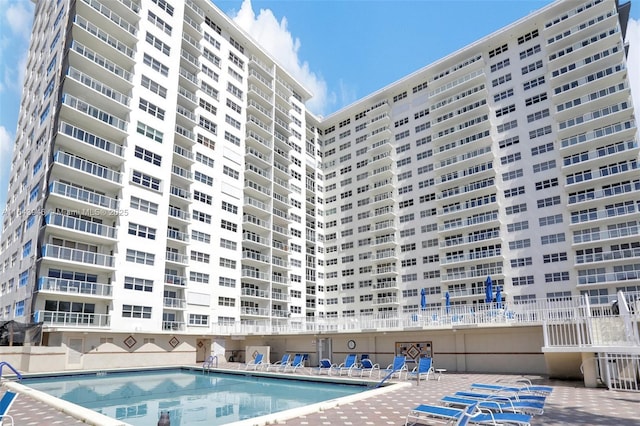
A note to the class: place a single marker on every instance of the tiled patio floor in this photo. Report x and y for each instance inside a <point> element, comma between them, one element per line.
<point>570,404</point>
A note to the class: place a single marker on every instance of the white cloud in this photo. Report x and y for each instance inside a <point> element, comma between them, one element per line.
<point>633,61</point>
<point>280,43</point>
<point>6,142</point>
<point>18,16</point>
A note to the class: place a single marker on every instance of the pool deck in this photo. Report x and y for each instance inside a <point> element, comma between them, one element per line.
<point>569,404</point>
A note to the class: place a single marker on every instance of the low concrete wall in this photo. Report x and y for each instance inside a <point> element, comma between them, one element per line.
<point>507,349</point>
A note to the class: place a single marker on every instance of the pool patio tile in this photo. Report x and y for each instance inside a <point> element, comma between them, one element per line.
<point>569,404</point>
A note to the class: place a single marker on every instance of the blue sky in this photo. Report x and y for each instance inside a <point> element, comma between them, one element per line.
<point>342,50</point>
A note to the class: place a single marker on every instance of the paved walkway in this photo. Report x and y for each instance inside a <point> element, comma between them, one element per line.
<point>569,404</point>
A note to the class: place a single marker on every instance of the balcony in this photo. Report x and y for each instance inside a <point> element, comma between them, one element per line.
<point>475,220</point>
<point>91,145</point>
<point>181,193</point>
<point>74,287</point>
<point>99,175</point>
<point>628,231</point>
<point>173,325</point>
<point>486,235</point>
<point>97,64</point>
<point>174,257</point>
<point>606,256</point>
<point>184,153</point>
<point>83,196</point>
<point>392,300</point>
<point>95,118</point>
<point>622,277</point>
<point>255,274</point>
<point>72,319</point>
<point>473,273</point>
<point>175,280</point>
<point>95,231</point>
<point>185,134</point>
<point>121,24</point>
<point>254,293</point>
<point>104,37</point>
<point>385,270</point>
<point>386,285</point>
<point>52,252</point>
<point>627,209</point>
<point>180,214</point>
<point>252,255</point>
<point>188,95</point>
<point>254,311</point>
<point>177,235</point>
<point>253,220</point>
<point>249,201</point>
<point>471,257</point>
<point>185,175</point>
<point>174,303</point>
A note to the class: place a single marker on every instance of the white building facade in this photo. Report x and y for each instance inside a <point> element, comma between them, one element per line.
<point>167,176</point>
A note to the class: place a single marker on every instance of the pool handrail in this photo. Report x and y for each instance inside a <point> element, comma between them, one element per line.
<point>17,373</point>
<point>209,362</point>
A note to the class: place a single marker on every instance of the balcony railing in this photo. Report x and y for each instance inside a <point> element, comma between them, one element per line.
<point>84,195</point>
<point>172,279</point>
<point>71,319</point>
<point>174,303</point>
<point>74,255</point>
<point>81,225</point>
<point>86,166</point>
<point>90,139</point>
<point>59,285</point>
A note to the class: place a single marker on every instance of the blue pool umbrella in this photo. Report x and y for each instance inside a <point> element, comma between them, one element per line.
<point>447,302</point>
<point>498,297</point>
<point>489,290</point>
<point>423,299</point>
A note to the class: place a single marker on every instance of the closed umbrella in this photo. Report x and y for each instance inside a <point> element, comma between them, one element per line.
<point>489,290</point>
<point>447,302</point>
<point>423,299</point>
<point>498,297</point>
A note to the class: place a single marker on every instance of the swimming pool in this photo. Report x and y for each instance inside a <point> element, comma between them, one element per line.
<point>190,397</point>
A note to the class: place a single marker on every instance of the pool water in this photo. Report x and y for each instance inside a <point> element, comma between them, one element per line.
<point>190,397</point>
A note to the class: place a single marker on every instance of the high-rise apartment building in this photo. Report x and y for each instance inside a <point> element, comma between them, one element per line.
<point>167,176</point>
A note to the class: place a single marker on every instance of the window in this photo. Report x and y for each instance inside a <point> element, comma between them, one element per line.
<point>142,231</point>
<point>162,4</point>
<point>227,263</point>
<point>198,256</point>
<point>157,43</point>
<point>552,239</point>
<point>230,226</point>
<point>518,208</point>
<point>140,257</point>
<point>228,244</point>
<point>513,192</point>
<point>202,197</point>
<point>153,86</point>
<point>152,109</point>
<point>201,177</point>
<point>229,207</point>
<point>23,278</point>
<point>230,172</point>
<point>138,284</point>
<point>200,236</point>
<point>155,65</point>
<point>550,201</point>
<point>135,311</point>
<point>153,18</point>
<point>149,132</point>
<point>550,220</point>
<point>545,184</point>
<point>26,249</point>
<point>144,205</point>
<point>145,180</point>
<point>148,156</point>
<point>525,280</point>
<point>554,257</point>
<point>201,216</point>
<point>18,310</point>
<point>198,319</point>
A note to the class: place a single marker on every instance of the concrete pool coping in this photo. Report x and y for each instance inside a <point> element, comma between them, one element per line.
<point>91,417</point>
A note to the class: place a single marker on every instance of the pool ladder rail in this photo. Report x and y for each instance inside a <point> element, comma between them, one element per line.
<point>209,363</point>
<point>18,376</point>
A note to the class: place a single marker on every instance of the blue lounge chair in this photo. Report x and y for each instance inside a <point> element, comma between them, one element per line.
<point>506,387</point>
<point>398,367</point>
<point>346,367</point>
<point>298,362</point>
<point>255,363</point>
<point>5,404</point>
<point>500,405</point>
<point>471,415</point>
<point>424,368</point>
<point>367,367</point>
<point>324,367</point>
<point>278,365</point>
<point>511,395</point>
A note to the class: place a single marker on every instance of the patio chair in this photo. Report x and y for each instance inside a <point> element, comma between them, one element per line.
<point>499,404</point>
<point>5,404</point>
<point>325,366</point>
<point>278,365</point>
<point>470,415</point>
<point>348,365</point>
<point>397,367</point>
<point>512,387</point>
<point>367,367</point>
<point>510,395</point>
<point>255,363</point>
<point>298,362</point>
<point>424,368</point>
